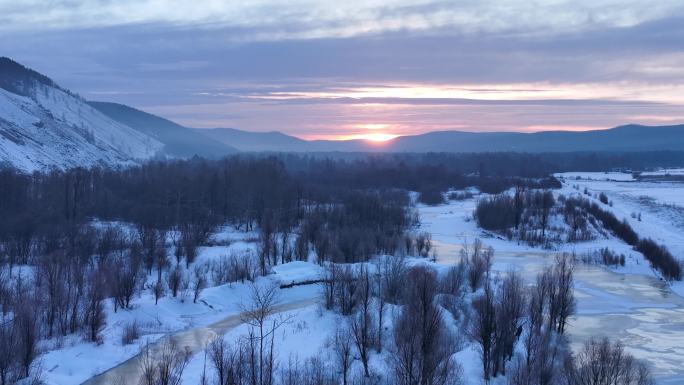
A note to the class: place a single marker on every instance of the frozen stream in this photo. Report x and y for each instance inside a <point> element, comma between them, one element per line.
<point>637,309</point>
<point>194,340</point>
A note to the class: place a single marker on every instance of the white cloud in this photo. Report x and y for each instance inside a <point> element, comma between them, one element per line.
<point>301,19</point>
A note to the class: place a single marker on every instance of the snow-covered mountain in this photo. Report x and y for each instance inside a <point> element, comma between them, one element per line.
<point>45,126</point>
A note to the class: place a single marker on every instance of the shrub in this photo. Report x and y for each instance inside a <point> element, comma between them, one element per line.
<point>130,333</point>
<point>496,213</point>
<point>431,196</point>
<point>460,195</point>
<point>660,258</point>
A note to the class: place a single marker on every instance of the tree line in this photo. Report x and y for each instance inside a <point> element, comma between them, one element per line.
<point>519,329</point>
<point>658,255</point>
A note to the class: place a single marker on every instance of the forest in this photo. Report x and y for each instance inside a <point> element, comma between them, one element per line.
<point>71,241</point>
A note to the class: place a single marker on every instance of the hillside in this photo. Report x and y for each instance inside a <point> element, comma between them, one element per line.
<point>45,126</point>
<point>178,141</point>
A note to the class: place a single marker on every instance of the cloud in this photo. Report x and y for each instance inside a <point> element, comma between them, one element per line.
<point>306,66</point>
<point>308,19</point>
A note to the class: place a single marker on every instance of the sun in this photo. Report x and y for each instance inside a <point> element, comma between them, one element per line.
<point>377,137</point>
<point>377,132</point>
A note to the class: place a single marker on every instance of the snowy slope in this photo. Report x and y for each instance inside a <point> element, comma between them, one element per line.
<point>47,127</point>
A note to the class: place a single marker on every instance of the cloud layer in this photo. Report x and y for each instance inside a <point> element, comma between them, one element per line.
<point>323,69</point>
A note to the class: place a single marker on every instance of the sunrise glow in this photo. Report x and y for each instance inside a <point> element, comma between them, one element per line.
<point>376,137</point>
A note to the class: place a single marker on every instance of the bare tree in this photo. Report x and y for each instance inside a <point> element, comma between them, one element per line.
<point>479,263</point>
<point>392,271</point>
<point>343,346</point>
<point>566,304</point>
<point>301,248</point>
<point>258,315</point>
<point>601,362</point>
<point>518,203</point>
<point>198,283</point>
<point>125,277</point>
<point>484,327</point>
<point>361,323</point>
<point>95,317</point>
<point>381,297</point>
<point>28,334</point>
<point>544,364</point>
<point>543,351</point>
<point>424,244</point>
<point>509,312</point>
<point>547,202</point>
<point>423,344</point>
<point>161,261</point>
<point>175,279</point>
<point>454,281</point>
<point>8,354</point>
<point>330,285</point>
<point>158,290</point>
<point>152,241</point>
<point>163,366</point>
<point>171,364</point>
<point>228,363</point>
<point>347,286</point>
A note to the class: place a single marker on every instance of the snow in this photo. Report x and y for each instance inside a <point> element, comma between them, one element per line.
<point>298,272</point>
<point>630,304</point>
<point>661,206</point>
<point>610,176</point>
<point>70,360</point>
<point>55,129</point>
<point>309,324</point>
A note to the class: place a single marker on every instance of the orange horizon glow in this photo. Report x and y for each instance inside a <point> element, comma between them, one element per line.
<point>375,137</point>
<point>371,132</point>
<point>381,137</point>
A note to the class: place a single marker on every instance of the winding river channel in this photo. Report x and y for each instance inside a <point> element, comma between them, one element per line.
<point>637,309</point>
<point>194,340</point>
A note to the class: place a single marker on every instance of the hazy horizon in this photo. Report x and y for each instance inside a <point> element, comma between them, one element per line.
<point>364,69</point>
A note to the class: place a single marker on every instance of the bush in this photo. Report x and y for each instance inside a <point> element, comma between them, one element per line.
<point>431,196</point>
<point>603,362</point>
<point>460,195</point>
<point>496,213</point>
<point>604,256</point>
<point>660,258</point>
<point>131,332</point>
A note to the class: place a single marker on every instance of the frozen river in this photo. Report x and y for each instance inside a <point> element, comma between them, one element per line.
<point>637,309</point>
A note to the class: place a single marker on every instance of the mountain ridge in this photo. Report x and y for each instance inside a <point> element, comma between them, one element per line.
<point>43,125</point>
<point>179,141</point>
<point>629,137</point>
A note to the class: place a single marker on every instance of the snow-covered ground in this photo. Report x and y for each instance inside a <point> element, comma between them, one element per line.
<point>71,360</point>
<point>629,303</point>
<point>660,205</point>
<point>625,186</point>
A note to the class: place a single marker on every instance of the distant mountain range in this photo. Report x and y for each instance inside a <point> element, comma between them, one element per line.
<point>627,138</point>
<point>43,125</point>
<point>178,141</point>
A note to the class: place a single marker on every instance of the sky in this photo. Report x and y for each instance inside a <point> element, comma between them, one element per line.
<point>363,68</point>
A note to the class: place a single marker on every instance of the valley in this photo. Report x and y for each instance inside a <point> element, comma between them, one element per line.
<point>629,303</point>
